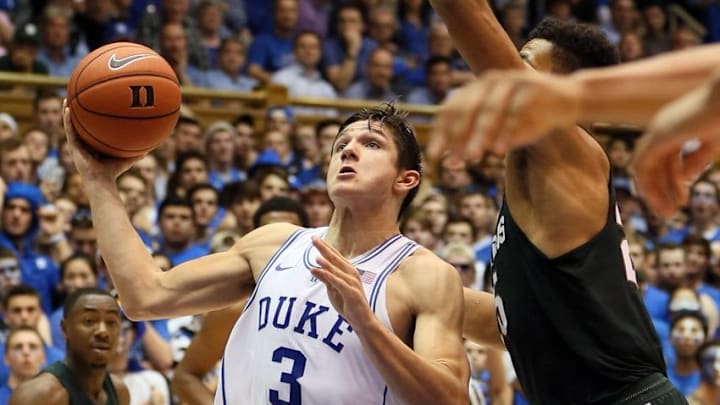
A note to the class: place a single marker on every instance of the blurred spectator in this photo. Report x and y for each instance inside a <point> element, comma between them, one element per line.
<point>708,357</point>
<point>326,131</point>
<point>303,77</point>
<point>47,115</point>
<point>220,146</point>
<point>383,29</point>
<point>317,204</point>
<point>280,209</point>
<point>481,210</point>
<point>22,55</point>
<point>377,84</point>
<point>209,14</point>
<point>438,84</point>
<point>208,216</point>
<point>57,52</point>
<point>670,276</point>
<point>19,226</point>
<point>347,51</point>
<point>688,332</point>
<point>271,52</point>
<point>273,182</point>
<point>624,18</point>
<point>697,259</point>
<point>242,199</point>
<point>229,75</point>
<point>280,118</point>
<point>642,260</point>
<point>8,126</point>
<point>314,15</point>
<point>514,20</point>
<point>479,390</point>
<point>177,231</point>
<point>631,47</point>
<point>245,152</point>
<point>24,357</point>
<point>656,38</point>
<point>187,136</point>
<point>417,227</point>
<point>174,48</point>
<point>37,142</point>
<point>704,206</point>
<point>436,209</point>
<point>414,24</point>
<point>684,37</point>
<point>191,169</point>
<point>460,255</point>
<point>10,274</point>
<point>171,12</point>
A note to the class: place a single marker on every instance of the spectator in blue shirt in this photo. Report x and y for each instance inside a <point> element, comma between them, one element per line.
<point>377,85</point>
<point>177,230</point>
<point>271,52</point>
<point>20,224</point>
<point>704,208</point>
<point>438,82</point>
<point>220,148</point>
<point>57,52</point>
<point>174,48</point>
<point>230,75</point>
<point>687,332</point>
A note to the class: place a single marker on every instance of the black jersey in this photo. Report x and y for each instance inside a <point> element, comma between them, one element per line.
<point>575,325</point>
<point>77,396</point>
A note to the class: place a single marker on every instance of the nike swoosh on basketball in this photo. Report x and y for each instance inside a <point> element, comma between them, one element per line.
<point>115,63</point>
<point>280,267</point>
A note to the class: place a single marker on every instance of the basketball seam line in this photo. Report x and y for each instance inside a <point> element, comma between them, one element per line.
<point>111,146</point>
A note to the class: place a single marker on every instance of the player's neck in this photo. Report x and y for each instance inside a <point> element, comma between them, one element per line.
<point>354,233</point>
<point>92,377</point>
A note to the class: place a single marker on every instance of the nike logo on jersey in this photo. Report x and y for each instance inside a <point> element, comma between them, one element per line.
<point>115,63</point>
<point>280,267</point>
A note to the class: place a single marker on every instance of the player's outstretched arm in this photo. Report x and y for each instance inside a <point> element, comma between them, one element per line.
<point>435,370</point>
<point>146,291</point>
<point>662,170</point>
<point>478,35</point>
<point>204,352</point>
<point>480,323</point>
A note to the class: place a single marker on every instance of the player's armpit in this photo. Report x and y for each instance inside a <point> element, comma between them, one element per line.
<point>203,354</point>
<point>480,323</point>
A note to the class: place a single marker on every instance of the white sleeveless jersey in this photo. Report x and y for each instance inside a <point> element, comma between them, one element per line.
<point>290,346</point>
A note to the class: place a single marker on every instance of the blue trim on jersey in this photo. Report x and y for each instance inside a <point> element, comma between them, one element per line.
<point>385,395</point>
<point>387,271</point>
<point>271,262</point>
<point>222,379</point>
<point>369,256</point>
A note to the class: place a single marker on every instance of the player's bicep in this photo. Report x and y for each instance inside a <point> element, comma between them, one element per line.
<point>43,389</point>
<point>439,320</point>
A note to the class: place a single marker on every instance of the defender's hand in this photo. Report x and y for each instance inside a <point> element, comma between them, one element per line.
<point>663,169</point>
<point>502,111</point>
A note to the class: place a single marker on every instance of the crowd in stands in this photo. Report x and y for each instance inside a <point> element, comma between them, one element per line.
<point>209,184</point>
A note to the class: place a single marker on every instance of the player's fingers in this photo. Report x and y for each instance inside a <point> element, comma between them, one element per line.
<point>695,163</point>
<point>344,272</point>
<point>327,251</point>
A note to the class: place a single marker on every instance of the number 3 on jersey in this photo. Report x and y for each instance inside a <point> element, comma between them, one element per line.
<point>298,369</point>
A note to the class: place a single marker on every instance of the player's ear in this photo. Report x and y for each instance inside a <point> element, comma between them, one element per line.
<point>407,180</point>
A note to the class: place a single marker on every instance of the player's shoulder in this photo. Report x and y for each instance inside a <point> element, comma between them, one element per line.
<point>45,389</point>
<point>428,280</point>
<point>271,235</point>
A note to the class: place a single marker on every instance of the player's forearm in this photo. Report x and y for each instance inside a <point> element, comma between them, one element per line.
<point>414,379</point>
<point>131,267</point>
<point>190,388</point>
<point>480,324</point>
<point>478,35</point>
<point>632,93</point>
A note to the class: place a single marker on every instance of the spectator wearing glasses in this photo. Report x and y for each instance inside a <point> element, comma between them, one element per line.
<point>461,256</point>
<point>704,207</point>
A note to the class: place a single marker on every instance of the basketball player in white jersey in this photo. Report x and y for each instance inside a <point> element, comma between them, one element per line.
<point>350,314</point>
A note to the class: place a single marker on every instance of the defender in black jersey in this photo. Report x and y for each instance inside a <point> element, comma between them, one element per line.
<point>567,306</point>
<point>91,326</point>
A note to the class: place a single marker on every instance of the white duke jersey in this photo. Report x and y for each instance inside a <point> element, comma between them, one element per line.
<point>290,346</point>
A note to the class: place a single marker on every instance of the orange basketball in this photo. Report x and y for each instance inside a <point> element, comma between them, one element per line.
<point>124,99</point>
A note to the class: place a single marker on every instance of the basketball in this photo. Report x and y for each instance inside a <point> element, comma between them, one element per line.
<point>124,99</point>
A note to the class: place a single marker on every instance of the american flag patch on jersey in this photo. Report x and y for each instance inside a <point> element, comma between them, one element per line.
<point>367,277</point>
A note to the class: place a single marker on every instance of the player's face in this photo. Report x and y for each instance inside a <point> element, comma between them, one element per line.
<point>25,354</point>
<point>176,224</point>
<point>23,310</point>
<point>686,336</point>
<point>78,274</point>
<point>363,165</point>
<point>16,165</point>
<point>221,147</point>
<point>10,275</point>
<point>92,328</point>
<point>205,206</point>
<point>710,365</point>
<point>16,217</point>
<point>538,54</point>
